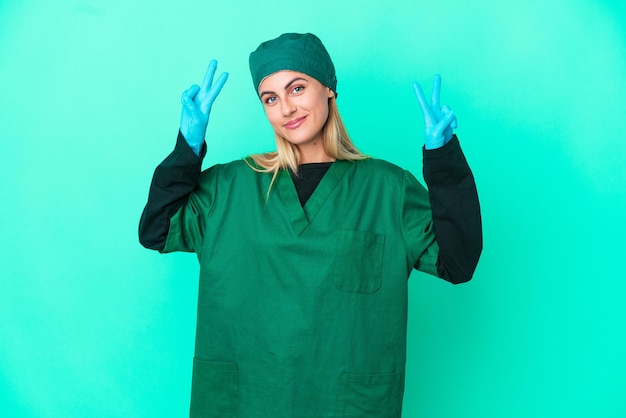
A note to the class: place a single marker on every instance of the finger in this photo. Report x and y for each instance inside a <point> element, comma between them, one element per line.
<point>437,113</point>
<point>429,118</point>
<point>436,91</point>
<point>189,95</point>
<point>206,83</point>
<point>442,125</point>
<point>445,110</point>
<point>447,120</point>
<point>208,76</point>
<point>213,93</point>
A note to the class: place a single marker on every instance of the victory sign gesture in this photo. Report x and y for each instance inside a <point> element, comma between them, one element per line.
<point>197,102</point>
<point>439,121</point>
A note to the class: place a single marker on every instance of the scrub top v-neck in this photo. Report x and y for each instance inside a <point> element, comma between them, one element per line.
<point>307,178</point>
<point>300,216</point>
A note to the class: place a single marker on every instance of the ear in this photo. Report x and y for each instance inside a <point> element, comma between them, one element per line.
<point>330,93</point>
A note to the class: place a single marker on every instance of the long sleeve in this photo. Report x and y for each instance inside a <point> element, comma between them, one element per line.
<point>174,179</point>
<point>455,211</point>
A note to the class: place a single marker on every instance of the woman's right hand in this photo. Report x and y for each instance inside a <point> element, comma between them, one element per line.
<point>197,102</point>
<point>438,121</point>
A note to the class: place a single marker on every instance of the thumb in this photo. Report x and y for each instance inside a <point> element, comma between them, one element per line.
<point>448,118</point>
<point>446,110</point>
<point>438,130</point>
<point>189,95</point>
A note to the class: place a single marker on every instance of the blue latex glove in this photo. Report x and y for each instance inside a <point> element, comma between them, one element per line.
<point>197,102</point>
<point>438,121</point>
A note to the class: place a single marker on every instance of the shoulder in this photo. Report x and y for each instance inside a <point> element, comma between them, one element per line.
<point>232,168</point>
<point>385,174</point>
<point>236,167</point>
<point>228,171</point>
<point>377,167</point>
<point>381,164</point>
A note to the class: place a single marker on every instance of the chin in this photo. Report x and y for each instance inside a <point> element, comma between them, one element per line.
<point>297,139</point>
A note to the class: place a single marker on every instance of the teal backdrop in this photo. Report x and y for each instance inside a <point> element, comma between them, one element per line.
<point>93,325</point>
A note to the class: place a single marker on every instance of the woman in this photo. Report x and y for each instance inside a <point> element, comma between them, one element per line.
<point>305,252</point>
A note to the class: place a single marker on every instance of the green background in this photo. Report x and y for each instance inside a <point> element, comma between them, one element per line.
<point>93,325</point>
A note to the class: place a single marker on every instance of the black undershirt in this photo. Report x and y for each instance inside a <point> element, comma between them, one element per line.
<point>308,177</point>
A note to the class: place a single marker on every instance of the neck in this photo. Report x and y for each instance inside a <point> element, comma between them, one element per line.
<point>314,153</point>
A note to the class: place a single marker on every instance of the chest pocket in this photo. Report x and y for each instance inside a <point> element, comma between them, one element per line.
<point>359,262</point>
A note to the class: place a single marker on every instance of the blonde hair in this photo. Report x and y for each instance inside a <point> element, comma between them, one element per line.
<point>336,141</point>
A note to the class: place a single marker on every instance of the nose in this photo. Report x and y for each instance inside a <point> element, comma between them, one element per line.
<point>287,107</point>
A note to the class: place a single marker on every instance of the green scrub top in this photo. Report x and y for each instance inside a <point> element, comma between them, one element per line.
<point>302,311</point>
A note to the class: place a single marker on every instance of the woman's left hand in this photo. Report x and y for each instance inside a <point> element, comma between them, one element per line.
<point>439,121</point>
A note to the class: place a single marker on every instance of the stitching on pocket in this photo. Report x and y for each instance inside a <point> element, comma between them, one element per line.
<point>359,262</point>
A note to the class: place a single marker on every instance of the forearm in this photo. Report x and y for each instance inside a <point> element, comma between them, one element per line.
<point>174,179</point>
<point>455,211</point>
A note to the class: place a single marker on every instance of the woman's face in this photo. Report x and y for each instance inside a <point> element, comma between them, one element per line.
<point>296,106</point>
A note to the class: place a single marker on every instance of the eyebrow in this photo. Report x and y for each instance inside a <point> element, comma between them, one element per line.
<point>286,86</point>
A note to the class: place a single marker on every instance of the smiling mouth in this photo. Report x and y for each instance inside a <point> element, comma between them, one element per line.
<point>293,124</point>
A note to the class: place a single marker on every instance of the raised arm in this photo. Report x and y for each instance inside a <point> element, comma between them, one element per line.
<point>176,177</point>
<point>452,191</point>
<point>197,102</point>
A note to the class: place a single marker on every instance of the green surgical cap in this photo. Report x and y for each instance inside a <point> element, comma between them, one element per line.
<point>295,52</point>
